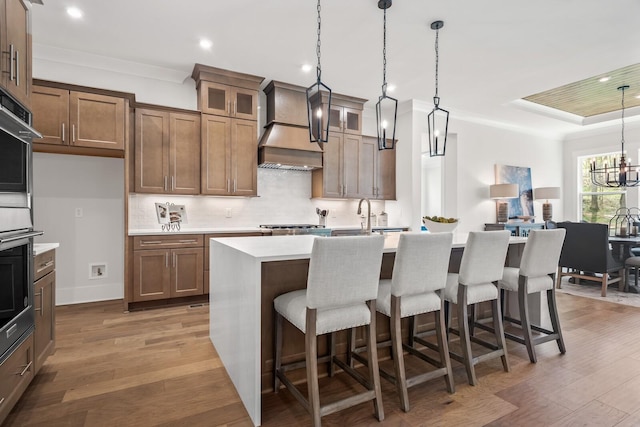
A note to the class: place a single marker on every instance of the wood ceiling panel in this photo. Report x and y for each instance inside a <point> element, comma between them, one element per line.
<point>590,97</point>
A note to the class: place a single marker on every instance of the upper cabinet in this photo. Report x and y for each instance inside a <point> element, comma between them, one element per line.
<point>229,103</point>
<point>15,41</point>
<point>345,114</point>
<point>377,171</point>
<point>227,93</point>
<point>74,118</point>
<point>167,152</point>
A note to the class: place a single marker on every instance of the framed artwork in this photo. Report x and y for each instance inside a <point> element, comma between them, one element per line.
<point>162,212</point>
<point>177,213</point>
<point>521,207</point>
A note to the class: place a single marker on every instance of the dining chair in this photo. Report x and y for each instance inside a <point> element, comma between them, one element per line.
<point>419,275</point>
<point>481,268</point>
<point>536,274</point>
<point>586,255</point>
<point>342,286</point>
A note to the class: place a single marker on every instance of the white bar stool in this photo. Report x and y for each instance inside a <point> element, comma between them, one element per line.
<point>480,269</point>
<point>537,273</point>
<point>342,287</point>
<point>419,274</point>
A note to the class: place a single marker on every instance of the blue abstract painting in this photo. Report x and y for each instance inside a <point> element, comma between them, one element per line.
<point>523,205</point>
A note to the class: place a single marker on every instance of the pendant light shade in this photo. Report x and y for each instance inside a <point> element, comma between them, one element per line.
<point>438,119</point>
<point>387,107</point>
<point>622,174</point>
<point>318,94</point>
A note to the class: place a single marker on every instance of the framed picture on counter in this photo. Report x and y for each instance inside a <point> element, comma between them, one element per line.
<point>162,212</point>
<point>177,213</point>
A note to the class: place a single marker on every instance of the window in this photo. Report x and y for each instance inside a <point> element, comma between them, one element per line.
<point>598,204</point>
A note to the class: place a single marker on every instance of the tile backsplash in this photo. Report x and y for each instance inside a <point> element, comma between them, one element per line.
<point>284,196</point>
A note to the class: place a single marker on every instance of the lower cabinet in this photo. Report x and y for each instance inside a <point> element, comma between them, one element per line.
<point>167,267</point>
<point>16,372</point>
<point>44,307</point>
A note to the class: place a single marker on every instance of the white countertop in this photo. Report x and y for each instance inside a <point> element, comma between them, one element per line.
<point>207,230</point>
<point>201,230</point>
<point>278,248</point>
<point>40,248</point>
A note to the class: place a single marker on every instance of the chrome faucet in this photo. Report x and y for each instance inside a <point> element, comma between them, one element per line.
<point>368,213</point>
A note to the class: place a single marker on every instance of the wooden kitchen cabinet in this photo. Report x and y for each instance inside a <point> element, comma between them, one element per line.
<point>44,307</point>
<point>229,156</point>
<point>227,93</point>
<point>167,267</point>
<point>16,373</point>
<point>339,176</point>
<point>345,114</point>
<point>15,41</point>
<point>78,119</point>
<point>228,101</point>
<point>167,152</point>
<point>377,170</point>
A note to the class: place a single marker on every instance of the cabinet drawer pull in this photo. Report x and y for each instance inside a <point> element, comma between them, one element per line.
<point>173,261</point>
<point>151,242</point>
<point>235,185</point>
<point>26,368</point>
<point>166,260</point>
<point>228,186</point>
<point>165,183</point>
<point>11,72</point>
<point>229,107</point>
<point>45,265</point>
<point>188,241</point>
<point>62,132</point>
<point>73,133</point>
<point>235,108</point>
<point>17,68</point>
<point>173,183</point>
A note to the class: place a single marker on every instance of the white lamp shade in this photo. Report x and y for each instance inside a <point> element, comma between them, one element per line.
<point>503,191</point>
<point>546,193</point>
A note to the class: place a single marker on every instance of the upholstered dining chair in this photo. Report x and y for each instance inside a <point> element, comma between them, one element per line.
<point>419,275</point>
<point>342,286</point>
<point>481,268</point>
<point>586,249</point>
<point>536,274</point>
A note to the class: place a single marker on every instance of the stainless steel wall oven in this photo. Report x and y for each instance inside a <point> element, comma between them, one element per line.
<point>16,225</point>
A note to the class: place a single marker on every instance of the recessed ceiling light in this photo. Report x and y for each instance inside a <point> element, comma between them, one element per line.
<point>306,68</point>
<point>604,79</point>
<point>391,88</point>
<point>74,12</point>
<point>206,44</point>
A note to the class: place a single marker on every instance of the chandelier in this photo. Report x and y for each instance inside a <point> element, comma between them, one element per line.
<point>387,107</point>
<point>622,174</point>
<point>438,119</point>
<point>315,93</point>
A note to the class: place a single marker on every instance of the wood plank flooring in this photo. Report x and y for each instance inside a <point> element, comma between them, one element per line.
<point>158,368</point>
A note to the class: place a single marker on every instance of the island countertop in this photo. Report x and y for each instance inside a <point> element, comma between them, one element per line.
<point>246,274</point>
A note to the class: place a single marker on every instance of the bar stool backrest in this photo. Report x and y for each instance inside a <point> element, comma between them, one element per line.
<point>421,264</point>
<point>344,270</point>
<point>483,257</point>
<point>542,252</point>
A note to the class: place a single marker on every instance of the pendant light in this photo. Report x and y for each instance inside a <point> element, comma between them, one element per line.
<point>318,129</point>
<point>438,119</point>
<point>622,174</point>
<point>387,107</point>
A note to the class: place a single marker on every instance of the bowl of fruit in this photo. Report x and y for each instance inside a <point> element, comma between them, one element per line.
<point>439,224</point>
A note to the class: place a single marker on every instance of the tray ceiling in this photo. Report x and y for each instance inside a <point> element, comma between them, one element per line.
<point>591,97</point>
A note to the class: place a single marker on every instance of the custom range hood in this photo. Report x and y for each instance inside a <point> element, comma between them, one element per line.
<point>285,142</point>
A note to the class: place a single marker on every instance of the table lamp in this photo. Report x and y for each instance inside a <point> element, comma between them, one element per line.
<point>501,192</point>
<point>546,194</point>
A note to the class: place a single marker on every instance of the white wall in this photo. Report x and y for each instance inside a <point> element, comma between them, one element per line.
<point>63,184</point>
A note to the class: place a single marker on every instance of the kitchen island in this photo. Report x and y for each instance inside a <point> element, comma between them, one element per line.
<point>246,274</point>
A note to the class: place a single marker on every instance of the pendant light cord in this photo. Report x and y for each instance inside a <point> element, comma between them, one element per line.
<point>436,99</point>
<point>623,88</point>
<point>318,68</point>
<point>384,54</point>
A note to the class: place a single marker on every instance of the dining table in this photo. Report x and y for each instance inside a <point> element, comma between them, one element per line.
<point>621,250</point>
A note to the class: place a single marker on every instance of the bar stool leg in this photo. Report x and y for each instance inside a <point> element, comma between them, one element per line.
<point>499,331</point>
<point>524,319</point>
<point>443,347</point>
<point>311,347</point>
<point>332,352</point>
<point>278,352</point>
<point>465,343</point>
<point>555,321</point>
<point>398,359</point>
<point>374,373</point>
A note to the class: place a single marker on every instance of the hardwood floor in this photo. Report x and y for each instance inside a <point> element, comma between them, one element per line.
<point>158,367</point>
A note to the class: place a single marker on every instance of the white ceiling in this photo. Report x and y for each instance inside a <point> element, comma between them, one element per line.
<point>492,52</point>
